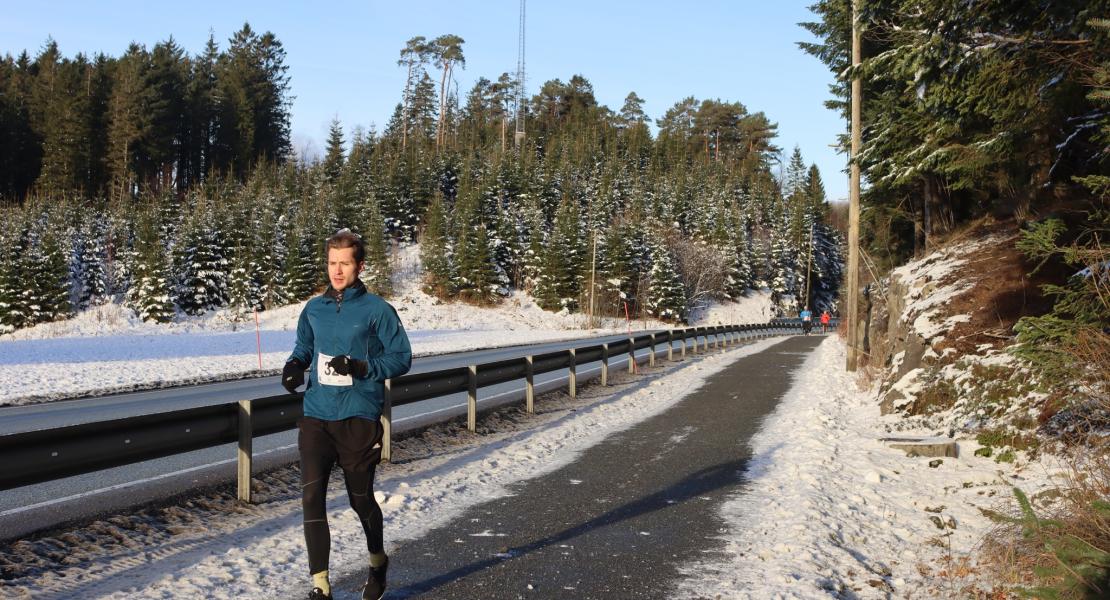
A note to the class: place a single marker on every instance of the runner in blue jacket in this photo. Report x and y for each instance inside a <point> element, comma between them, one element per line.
<point>350,341</point>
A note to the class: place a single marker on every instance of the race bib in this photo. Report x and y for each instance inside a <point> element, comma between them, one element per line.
<point>326,376</point>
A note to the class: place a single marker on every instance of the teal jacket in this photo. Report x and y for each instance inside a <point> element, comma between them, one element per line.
<point>358,324</point>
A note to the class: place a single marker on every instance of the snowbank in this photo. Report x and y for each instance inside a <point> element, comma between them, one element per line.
<point>833,512</point>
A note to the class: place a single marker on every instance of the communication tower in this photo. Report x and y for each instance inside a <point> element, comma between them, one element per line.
<point>518,138</point>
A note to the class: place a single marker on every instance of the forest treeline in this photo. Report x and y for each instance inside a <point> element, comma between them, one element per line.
<point>167,181</point>
<point>968,110</point>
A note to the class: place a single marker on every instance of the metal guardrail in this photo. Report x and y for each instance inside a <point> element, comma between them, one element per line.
<point>45,455</point>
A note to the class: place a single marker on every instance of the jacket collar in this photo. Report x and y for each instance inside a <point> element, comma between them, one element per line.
<point>354,290</point>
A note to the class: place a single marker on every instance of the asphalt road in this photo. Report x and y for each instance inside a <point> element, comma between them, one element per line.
<point>31,508</point>
<point>621,519</point>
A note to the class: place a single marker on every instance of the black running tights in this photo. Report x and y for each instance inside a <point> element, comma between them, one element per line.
<point>351,444</point>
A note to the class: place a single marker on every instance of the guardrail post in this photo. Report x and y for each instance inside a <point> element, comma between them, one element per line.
<point>530,385</point>
<point>387,422</point>
<point>651,357</point>
<point>716,338</point>
<point>604,365</point>
<point>572,374</point>
<point>684,332</point>
<point>670,345</point>
<point>472,398</point>
<point>246,438</point>
<point>631,354</point>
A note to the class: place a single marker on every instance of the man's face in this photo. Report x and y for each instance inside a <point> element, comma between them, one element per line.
<point>342,268</point>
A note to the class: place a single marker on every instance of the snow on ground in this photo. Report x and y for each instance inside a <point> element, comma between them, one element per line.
<point>213,547</point>
<point>831,511</point>
<point>107,349</point>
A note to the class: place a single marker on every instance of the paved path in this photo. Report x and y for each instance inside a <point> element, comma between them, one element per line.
<point>620,520</point>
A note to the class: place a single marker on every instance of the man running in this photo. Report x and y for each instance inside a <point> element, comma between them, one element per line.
<point>825,318</point>
<point>350,341</point>
<point>807,320</point>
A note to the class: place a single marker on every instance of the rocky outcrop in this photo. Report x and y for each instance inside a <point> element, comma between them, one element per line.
<point>895,347</point>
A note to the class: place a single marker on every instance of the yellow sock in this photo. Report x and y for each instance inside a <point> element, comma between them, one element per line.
<point>377,560</point>
<point>320,580</point>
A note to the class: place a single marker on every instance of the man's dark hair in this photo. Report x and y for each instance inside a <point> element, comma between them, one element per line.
<point>345,238</point>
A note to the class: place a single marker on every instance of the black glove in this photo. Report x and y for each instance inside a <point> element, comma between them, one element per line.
<point>345,365</point>
<point>292,376</point>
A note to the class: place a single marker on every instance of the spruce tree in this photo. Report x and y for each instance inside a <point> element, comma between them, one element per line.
<point>46,270</point>
<point>92,285</point>
<point>559,282</point>
<point>436,252</point>
<point>301,262</point>
<point>377,272</point>
<point>476,277</point>
<point>202,266</point>
<point>149,294</point>
<point>13,311</point>
<point>334,155</point>
<point>666,295</point>
<point>243,290</point>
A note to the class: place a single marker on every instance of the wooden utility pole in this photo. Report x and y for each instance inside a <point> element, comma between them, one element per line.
<point>593,275</point>
<point>853,205</point>
<point>809,265</point>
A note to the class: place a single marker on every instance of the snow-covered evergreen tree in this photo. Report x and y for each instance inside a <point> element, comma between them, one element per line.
<point>666,297</point>
<point>301,261</point>
<point>149,294</point>
<point>13,312</point>
<point>783,264</point>
<point>243,288</point>
<point>202,266</point>
<point>476,276</point>
<point>92,281</point>
<point>376,272</point>
<point>560,280</point>
<point>436,252</point>
<point>45,288</point>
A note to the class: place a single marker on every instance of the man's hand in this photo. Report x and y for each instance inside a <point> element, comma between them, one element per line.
<point>345,365</point>
<point>292,376</point>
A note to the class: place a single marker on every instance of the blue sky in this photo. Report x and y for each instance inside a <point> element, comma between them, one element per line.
<point>342,55</point>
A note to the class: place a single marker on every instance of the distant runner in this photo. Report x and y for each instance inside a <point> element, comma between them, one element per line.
<point>350,341</point>
<point>807,321</point>
<point>825,321</point>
